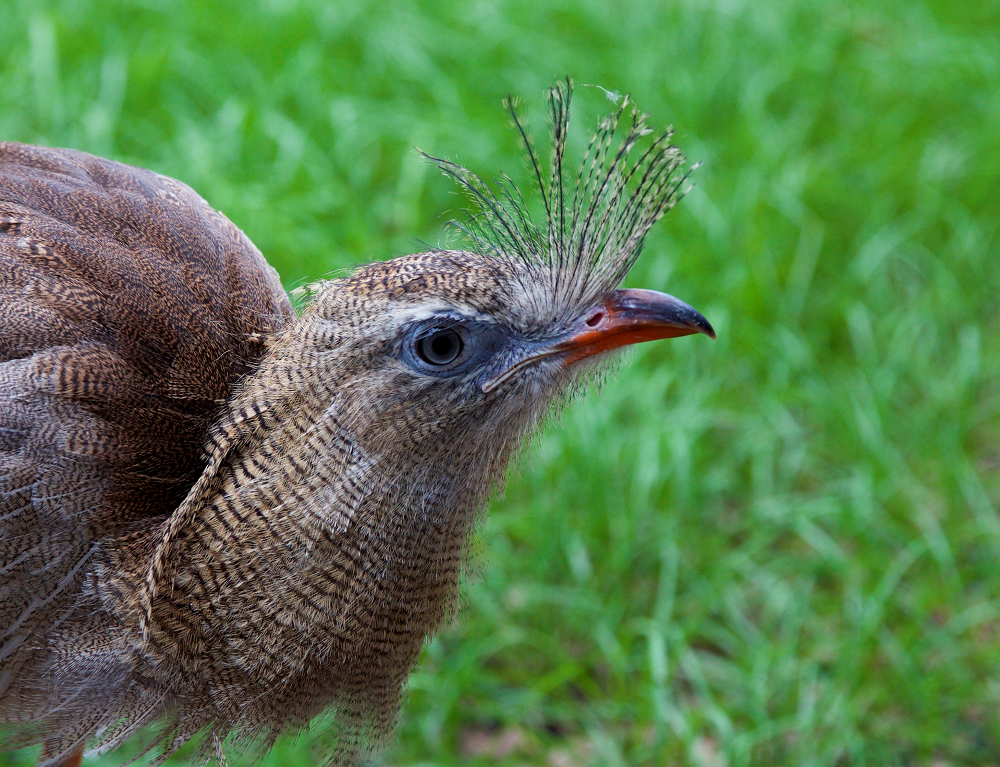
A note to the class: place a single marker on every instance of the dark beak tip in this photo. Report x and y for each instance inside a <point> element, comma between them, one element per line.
<point>660,308</point>
<point>697,321</point>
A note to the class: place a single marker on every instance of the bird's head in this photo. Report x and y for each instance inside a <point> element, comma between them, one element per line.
<point>446,359</point>
<point>353,461</point>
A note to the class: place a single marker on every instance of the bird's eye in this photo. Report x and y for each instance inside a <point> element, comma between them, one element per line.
<point>440,348</point>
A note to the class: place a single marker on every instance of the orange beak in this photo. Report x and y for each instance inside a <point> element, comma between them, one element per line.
<point>631,317</point>
<point>625,317</point>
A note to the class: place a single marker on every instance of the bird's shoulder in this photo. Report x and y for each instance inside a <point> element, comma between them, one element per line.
<point>129,309</point>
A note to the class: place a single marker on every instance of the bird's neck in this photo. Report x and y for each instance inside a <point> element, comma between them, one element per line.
<point>311,559</point>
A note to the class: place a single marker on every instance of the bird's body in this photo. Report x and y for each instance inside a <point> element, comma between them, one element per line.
<point>219,516</point>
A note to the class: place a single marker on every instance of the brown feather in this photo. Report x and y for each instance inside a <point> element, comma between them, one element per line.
<point>128,310</point>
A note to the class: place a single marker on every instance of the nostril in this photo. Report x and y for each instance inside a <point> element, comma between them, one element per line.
<point>595,319</point>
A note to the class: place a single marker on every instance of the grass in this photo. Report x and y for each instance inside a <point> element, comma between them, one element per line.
<point>778,549</point>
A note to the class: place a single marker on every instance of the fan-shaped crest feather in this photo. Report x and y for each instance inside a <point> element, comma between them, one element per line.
<point>594,227</point>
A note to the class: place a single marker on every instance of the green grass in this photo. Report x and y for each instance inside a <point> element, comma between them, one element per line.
<point>782,548</point>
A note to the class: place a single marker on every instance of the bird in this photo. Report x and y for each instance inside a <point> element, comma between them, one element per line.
<point>225,517</point>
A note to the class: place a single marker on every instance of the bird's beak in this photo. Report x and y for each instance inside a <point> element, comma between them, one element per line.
<point>624,317</point>
<point>630,317</point>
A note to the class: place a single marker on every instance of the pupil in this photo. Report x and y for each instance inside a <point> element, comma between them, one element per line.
<point>441,346</point>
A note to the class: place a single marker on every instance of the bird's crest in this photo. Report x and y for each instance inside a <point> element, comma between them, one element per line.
<point>594,228</point>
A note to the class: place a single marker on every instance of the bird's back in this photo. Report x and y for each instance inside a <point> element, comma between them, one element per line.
<point>128,311</point>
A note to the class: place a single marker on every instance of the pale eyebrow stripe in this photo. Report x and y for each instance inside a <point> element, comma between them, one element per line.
<point>404,313</point>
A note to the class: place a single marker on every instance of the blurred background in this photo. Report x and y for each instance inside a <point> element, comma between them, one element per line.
<point>782,548</point>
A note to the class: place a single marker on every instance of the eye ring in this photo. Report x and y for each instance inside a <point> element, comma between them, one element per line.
<point>440,348</point>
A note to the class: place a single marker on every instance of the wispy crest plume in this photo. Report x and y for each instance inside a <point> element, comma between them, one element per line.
<point>594,228</point>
